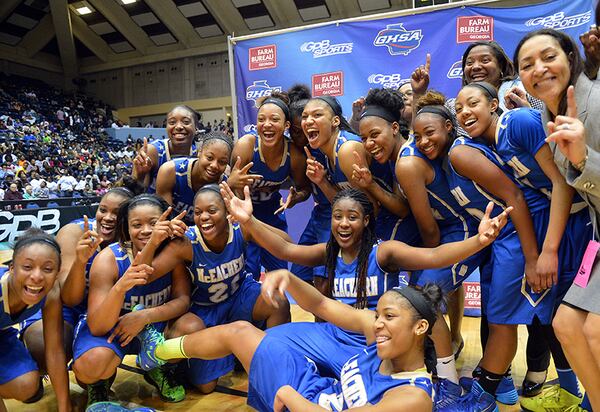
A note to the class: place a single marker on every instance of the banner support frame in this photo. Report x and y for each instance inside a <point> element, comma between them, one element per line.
<point>230,43</point>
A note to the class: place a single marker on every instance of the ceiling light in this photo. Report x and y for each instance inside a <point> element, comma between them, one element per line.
<point>128,1</point>
<point>83,10</point>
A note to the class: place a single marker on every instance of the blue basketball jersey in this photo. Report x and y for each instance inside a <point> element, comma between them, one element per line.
<point>151,294</point>
<point>469,195</point>
<point>378,280</point>
<point>446,211</point>
<point>164,155</point>
<point>8,319</point>
<point>266,190</point>
<point>520,135</point>
<point>335,174</point>
<point>362,384</point>
<point>183,192</point>
<point>216,276</point>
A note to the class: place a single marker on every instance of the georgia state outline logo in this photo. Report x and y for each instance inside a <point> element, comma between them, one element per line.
<point>398,40</point>
<point>258,89</point>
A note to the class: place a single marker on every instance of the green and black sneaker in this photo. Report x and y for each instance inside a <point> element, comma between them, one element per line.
<point>165,380</point>
<point>98,392</point>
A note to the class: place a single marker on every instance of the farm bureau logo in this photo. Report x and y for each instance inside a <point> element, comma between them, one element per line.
<point>258,89</point>
<point>324,48</point>
<point>388,81</point>
<point>455,71</point>
<point>559,21</point>
<point>398,40</point>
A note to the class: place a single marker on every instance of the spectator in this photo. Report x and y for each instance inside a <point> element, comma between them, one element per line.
<point>42,191</point>
<point>13,193</point>
<point>28,193</point>
<point>66,184</point>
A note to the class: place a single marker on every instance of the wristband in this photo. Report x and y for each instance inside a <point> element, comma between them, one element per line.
<point>581,165</point>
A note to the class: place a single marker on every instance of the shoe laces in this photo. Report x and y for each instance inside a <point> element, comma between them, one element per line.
<point>98,392</point>
<point>551,391</point>
<point>575,408</point>
<point>171,376</point>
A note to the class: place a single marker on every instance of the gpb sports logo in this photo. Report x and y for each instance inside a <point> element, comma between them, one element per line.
<point>258,89</point>
<point>398,40</point>
<point>324,48</point>
<point>388,81</point>
<point>559,21</point>
<point>455,71</point>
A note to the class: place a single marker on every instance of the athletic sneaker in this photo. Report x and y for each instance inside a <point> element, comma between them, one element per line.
<point>506,392</point>
<point>477,400</point>
<point>553,398</point>
<point>115,407</point>
<point>98,392</point>
<point>149,338</point>
<point>447,393</point>
<point>164,379</point>
<point>105,407</point>
<point>575,408</point>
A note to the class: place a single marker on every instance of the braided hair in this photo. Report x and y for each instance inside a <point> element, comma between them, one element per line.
<point>369,238</point>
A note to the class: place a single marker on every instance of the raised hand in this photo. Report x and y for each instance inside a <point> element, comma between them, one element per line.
<point>178,226</point>
<point>289,201</point>
<point>357,108</point>
<point>591,47</point>
<point>516,97</point>
<point>162,228</point>
<point>314,169</point>
<point>239,177</point>
<point>239,209</point>
<point>419,80</point>
<point>88,242</point>
<point>142,163</point>
<point>135,275</point>
<point>274,286</point>
<point>361,175</point>
<point>489,227</point>
<point>568,132</point>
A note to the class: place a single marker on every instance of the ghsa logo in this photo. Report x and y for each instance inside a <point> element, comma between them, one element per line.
<point>388,81</point>
<point>455,71</point>
<point>398,40</point>
<point>258,89</point>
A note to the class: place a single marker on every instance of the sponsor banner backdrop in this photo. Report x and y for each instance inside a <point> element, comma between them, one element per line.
<point>15,222</point>
<point>347,59</point>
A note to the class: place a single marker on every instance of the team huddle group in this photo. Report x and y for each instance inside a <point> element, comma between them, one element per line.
<point>411,194</point>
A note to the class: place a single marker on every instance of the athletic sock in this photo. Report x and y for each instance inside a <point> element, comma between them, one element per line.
<point>568,381</point>
<point>489,381</point>
<point>446,369</point>
<point>536,377</point>
<point>585,404</point>
<point>171,349</point>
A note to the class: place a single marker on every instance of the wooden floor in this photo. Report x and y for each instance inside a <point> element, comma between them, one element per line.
<point>130,388</point>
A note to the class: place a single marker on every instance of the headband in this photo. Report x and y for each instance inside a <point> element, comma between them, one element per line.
<point>216,136</point>
<point>146,197</point>
<point>279,103</point>
<point>487,89</point>
<point>121,190</point>
<point>337,110</point>
<point>212,187</point>
<point>439,110</point>
<point>379,111</point>
<point>27,241</point>
<point>418,301</point>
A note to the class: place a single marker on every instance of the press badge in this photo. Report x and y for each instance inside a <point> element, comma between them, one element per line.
<point>587,264</point>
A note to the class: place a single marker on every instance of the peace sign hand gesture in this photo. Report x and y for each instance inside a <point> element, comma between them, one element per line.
<point>88,242</point>
<point>361,175</point>
<point>239,209</point>
<point>239,177</point>
<point>568,132</point>
<point>489,227</point>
